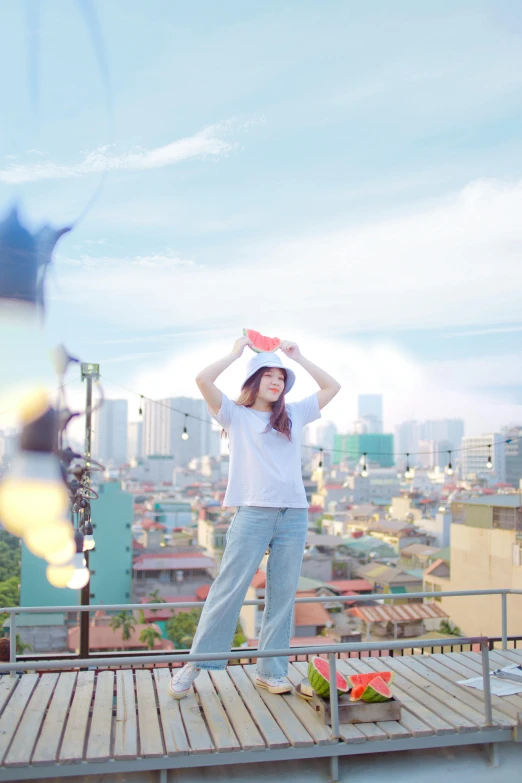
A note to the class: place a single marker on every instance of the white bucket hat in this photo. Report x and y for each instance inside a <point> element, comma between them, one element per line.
<point>269,360</point>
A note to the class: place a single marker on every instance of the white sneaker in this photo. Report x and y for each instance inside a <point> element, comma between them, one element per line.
<point>273,684</point>
<point>181,681</point>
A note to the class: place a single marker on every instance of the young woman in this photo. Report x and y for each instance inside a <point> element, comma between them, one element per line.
<point>265,485</point>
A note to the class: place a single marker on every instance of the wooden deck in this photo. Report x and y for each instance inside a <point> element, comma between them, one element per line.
<point>62,724</point>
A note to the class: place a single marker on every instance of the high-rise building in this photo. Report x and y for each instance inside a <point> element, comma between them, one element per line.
<point>475,454</point>
<point>377,447</point>
<point>110,432</point>
<point>369,412</point>
<point>135,440</point>
<point>451,431</point>
<point>163,425</point>
<point>408,436</point>
<point>513,455</point>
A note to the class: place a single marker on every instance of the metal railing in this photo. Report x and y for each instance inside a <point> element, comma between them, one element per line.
<point>330,650</point>
<point>13,611</point>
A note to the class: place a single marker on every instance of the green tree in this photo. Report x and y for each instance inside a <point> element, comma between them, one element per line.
<point>126,622</point>
<point>155,598</point>
<point>9,595</point>
<point>182,627</point>
<point>21,646</point>
<point>448,628</point>
<point>149,636</point>
<point>239,636</point>
<point>9,556</point>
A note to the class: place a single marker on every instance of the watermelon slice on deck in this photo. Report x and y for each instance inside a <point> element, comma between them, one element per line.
<point>260,343</point>
<point>365,679</point>
<point>319,678</point>
<point>357,692</point>
<point>376,691</point>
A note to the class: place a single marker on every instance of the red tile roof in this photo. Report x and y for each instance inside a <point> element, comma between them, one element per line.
<point>350,585</point>
<point>402,613</point>
<point>104,638</point>
<point>311,614</point>
<point>136,545</point>
<point>259,580</point>
<point>202,592</point>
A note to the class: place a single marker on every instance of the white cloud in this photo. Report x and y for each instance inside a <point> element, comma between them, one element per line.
<point>454,262</point>
<point>206,143</point>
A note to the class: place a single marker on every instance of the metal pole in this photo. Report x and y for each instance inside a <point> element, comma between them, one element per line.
<point>504,621</point>
<point>89,371</point>
<point>334,705</point>
<point>484,648</point>
<point>12,640</point>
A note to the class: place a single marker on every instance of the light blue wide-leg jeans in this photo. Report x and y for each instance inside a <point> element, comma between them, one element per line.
<point>252,531</point>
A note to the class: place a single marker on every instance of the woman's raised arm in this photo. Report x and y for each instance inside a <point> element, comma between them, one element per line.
<point>205,379</point>
<point>328,386</point>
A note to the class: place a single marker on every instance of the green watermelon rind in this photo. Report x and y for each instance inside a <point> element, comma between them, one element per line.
<point>320,683</point>
<point>262,350</point>
<point>367,677</point>
<point>371,693</point>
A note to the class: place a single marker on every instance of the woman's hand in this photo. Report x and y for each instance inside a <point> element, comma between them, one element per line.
<point>291,350</point>
<point>240,345</point>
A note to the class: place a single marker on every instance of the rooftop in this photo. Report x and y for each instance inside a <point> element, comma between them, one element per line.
<point>177,561</point>
<point>505,501</point>
<point>350,585</point>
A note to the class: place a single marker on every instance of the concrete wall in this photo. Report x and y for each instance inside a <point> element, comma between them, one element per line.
<point>482,559</point>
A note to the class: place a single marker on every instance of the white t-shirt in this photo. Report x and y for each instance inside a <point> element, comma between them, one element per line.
<point>265,467</point>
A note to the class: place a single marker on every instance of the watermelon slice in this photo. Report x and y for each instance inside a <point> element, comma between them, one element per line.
<point>260,343</point>
<point>357,692</point>
<point>365,679</point>
<point>376,691</point>
<point>319,678</point>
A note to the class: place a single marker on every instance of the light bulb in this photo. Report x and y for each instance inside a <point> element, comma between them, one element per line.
<point>184,435</point>
<point>449,470</point>
<point>81,574</point>
<point>59,557</point>
<point>48,540</point>
<point>364,472</point>
<point>60,575</point>
<point>88,542</point>
<point>33,492</point>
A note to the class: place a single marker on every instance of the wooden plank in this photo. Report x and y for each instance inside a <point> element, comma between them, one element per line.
<point>29,727</point>
<point>14,710</point>
<point>320,733</point>
<point>457,714</point>
<point>417,708</point>
<point>238,715</point>
<point>126,726</point>
<point>197,732</point>
<point>7,685</point>
<point>74,737</point>
<point>372,732</point>
<point>459,697</point>
<point>282,713</point>
<point>176,742</point>
<point>151,743</point>
<point>393,729</point>
<point>455,671</point>
<point>273,736</point>
<point>348,732</point>
<point>46,751</point>
<point>219,726</point>
<point>100,735</point>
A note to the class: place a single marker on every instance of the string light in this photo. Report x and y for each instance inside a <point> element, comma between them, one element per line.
<point>141,403</point>
<point>320,466</point>
<point>449,469</point>
<point>185,435</point>
<point>88,538</point>
<point>60,575</point>
<point>489,463</point>
<point>364,471</point>
<point>81,573</point>
<point>341,452</point>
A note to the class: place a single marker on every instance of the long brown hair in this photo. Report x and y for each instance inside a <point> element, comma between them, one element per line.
<point>279,418</point>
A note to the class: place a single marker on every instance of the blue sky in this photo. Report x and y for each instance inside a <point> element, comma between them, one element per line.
<point>345,174</point>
